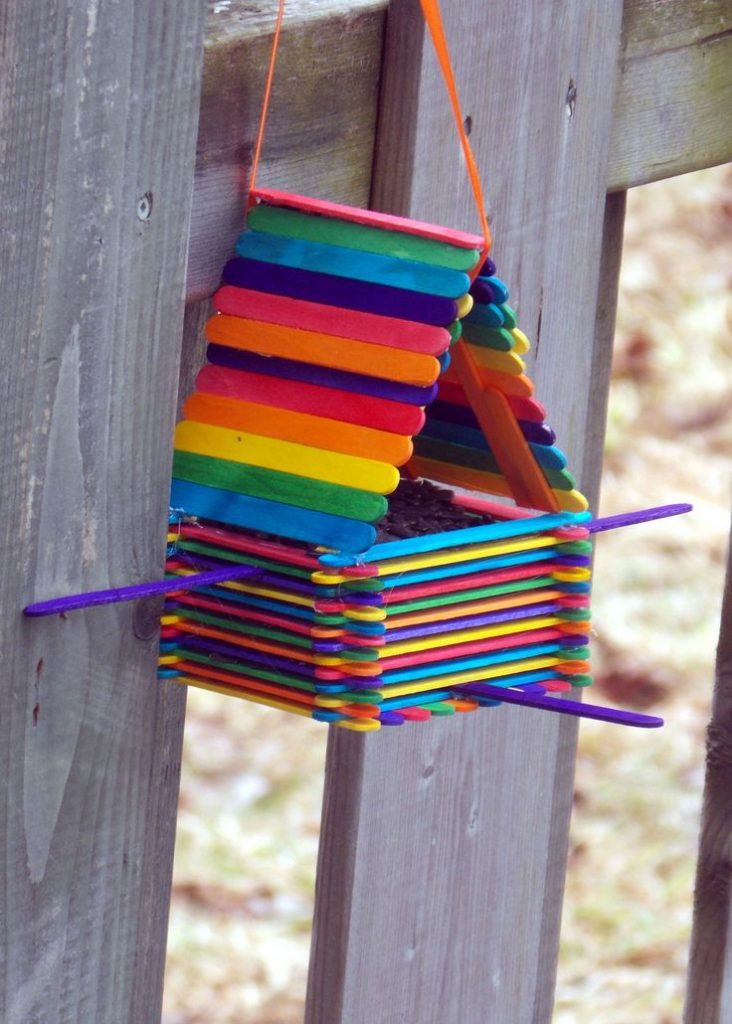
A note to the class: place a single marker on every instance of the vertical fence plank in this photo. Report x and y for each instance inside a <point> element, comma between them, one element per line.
<point>709,993</point>
<point>99,107</point>
<point>443,848</point>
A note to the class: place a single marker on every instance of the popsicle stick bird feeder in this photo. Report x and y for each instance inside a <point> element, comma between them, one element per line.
<point>359,365</point>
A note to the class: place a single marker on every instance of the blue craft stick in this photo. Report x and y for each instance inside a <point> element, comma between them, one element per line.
<point>391,718</point>
<point>458,538</point>
<point>271,516</point>
<point>338,291</point>
<point>354,264</point>
<point>489,315</point>
<point>307,373</point>
<point>498,288</point>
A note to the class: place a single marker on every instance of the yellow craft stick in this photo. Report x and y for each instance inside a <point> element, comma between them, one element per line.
<point>462,554</point>
<point>502,362</point>
<point>268,453</point>
<point>366,614</point>
<point>571,575</point>
<point>522,343</point>
<point>464,305</point>
<point>235,691</point>
<point>475,675</point>
<point>359,724</point>
<point>463,636</point>
<point>473,608</point>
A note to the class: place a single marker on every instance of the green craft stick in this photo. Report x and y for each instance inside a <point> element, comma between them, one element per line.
<point>249,670</point>
<point>470,595</point>
<point>440,708</point>
<point>574,614</point>
<point>223,553</point>
<point>575,547</point>
<point>248,628</point>
<point>497,338</point>
<point>371,585</point>
<point>455,330</point>
<point>278,220</point>
<point>509,316</point>
<point>302,492</point>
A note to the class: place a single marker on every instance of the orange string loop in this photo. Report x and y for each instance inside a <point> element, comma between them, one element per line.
<point>433,20</point>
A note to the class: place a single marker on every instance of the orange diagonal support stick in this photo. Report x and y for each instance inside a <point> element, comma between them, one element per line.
<point>503,434</point>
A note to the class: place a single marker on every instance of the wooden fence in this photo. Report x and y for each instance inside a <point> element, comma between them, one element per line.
<point>570,104</point>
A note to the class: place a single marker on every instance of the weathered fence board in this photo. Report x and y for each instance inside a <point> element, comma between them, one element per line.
<point>443,848</point>
<point>709,995</point>
<point>99,106</point>
<point>674,92</point>
<point>322,118</point>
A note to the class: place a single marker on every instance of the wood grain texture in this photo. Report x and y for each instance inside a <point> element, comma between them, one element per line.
<point>674,90</point>
<point>98,105</point>
<point>320,131</point>
<point>709,992</point>
<point>443,853</point>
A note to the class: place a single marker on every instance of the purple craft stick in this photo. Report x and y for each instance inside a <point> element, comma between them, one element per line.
<point>644,515</point>
<point>344,292</point>
<point>323,376</point>
<point>137,590</point>
<point>472,621</point>
<point>561,706</point>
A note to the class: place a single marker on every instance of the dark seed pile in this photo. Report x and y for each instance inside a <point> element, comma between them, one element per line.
<point>419,507</point>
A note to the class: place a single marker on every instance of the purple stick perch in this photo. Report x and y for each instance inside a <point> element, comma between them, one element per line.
<point>133,593</point>
<point>561,706</point>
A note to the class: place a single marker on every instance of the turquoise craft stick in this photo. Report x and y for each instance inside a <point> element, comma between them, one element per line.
<point>259,513</point>
<point>457,538</point>
<point>353,264</point>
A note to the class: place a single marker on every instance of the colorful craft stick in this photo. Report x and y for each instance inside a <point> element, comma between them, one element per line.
<point>338,291</point>
<point>373,218</point>
<point>308,399</point>
<point>268,453</point>
<point>285,425</point>
<point>374,268</point>
<point>136,591</point>
<point>288,369</point>
<point>277,486</point>
<point>562,706</point>
<point>344,323</point>
<point>322,350</point>
<point>299,524</point>
<point>278,220</point>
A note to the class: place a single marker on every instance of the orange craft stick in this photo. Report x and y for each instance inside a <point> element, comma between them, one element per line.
<point>323,350</point>
<point>302,428</point>
<point>503,434</point>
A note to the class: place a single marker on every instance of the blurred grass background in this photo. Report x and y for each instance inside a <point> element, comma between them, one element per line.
<point>252,778</point>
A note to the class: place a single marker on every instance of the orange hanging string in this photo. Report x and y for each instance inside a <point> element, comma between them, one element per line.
<point>433,19</point>
<point>265,101</point>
